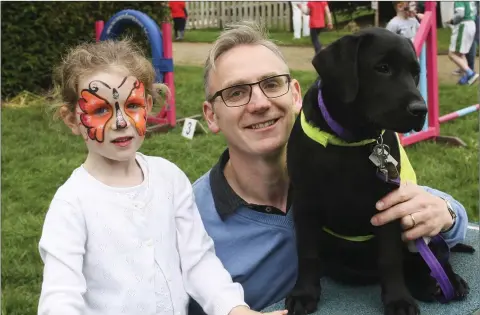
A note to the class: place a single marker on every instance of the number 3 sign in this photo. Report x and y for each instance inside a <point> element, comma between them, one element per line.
<point>189,127</point>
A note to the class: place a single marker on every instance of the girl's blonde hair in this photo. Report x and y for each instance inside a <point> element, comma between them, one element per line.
<point>87,58</point>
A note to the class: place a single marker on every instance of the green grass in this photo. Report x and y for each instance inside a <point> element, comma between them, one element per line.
<point>38,155</point>
<point>286,38</point>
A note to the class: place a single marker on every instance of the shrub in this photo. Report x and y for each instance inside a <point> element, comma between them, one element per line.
<point>36,34</point>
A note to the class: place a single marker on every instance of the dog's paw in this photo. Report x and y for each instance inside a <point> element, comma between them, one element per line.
<point>461,287</point>
<point>302,301</point>
<point>401,305</point>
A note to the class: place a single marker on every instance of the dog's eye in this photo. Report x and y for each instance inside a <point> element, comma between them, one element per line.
<point>383,68</point>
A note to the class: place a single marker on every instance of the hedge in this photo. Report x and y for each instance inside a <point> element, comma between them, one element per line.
<point>36,34</point>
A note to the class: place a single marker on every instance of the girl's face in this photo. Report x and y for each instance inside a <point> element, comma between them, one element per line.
<point>111,114</point>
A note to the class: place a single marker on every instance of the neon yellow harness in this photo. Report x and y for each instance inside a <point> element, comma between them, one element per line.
<point>325,138</point>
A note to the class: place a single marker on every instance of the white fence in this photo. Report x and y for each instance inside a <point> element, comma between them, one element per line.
<point>216,14</point>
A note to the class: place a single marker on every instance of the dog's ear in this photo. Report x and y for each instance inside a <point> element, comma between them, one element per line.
<point>337,65</point>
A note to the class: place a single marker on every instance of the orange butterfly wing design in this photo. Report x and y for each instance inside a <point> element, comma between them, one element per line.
<point>95,124</point>
<point>139,117</point>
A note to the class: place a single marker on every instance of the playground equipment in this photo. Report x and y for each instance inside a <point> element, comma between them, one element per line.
<point>161,47</point>
<point>426,47</point>
<point>459,113</point>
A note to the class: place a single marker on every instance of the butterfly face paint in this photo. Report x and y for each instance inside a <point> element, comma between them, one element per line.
<point>103,104</point>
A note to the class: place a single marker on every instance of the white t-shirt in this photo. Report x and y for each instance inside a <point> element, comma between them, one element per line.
<point>406,27</point>
<point>138,250</point>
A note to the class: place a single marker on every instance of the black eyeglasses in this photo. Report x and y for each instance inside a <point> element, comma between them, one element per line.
<point>240,94</point>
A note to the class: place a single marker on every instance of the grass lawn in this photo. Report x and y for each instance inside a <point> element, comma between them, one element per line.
<point>286,38</point>
<point>38,155</point>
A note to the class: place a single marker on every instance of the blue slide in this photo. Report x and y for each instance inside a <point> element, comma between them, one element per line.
<point>117,23</point>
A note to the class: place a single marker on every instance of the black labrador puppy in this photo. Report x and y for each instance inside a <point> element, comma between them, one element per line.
<point>340,166</point>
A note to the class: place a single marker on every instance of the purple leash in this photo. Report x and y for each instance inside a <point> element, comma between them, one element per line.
<point>436,268</point>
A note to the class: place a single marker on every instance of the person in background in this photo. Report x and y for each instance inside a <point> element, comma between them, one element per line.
<point>317,11</point>
<point>463,34</point>
<point>472,54</point>
<point>405,22</point>
<point>417,9</point>
<point>179,14</point>
<point>300,21</point>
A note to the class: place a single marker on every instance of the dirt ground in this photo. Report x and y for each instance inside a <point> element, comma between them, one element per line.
<point>298,58</point>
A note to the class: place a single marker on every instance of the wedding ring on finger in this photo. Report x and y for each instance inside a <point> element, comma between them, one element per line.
<point>413,221</point>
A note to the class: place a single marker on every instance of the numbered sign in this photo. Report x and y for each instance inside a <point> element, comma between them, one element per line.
<point>189,126</point>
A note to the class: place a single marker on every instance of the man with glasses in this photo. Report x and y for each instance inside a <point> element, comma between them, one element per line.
<point>244,200</point>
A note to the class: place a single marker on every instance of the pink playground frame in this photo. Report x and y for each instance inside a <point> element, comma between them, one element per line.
<point>427,34</point>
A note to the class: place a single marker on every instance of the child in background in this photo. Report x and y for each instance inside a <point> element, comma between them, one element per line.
<point>404,23</point>
<point>300,21</point>
<point>178,11</point>
<point>317,11</point>
<point>462,38</point>
<point>123,234</point>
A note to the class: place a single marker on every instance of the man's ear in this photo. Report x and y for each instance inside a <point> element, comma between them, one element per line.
<point>210,117</point>
<point>337,67</point>
<point>297,95</point>
<point>69,118</point>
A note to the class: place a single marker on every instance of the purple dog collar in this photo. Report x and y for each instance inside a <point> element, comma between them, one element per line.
<point>335,126</point>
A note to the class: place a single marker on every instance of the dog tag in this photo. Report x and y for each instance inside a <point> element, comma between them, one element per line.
<point>390,159</point>
<point>380,156</point>
<point>382,173</point>
<point>392,170</point>
<point>375,159</point>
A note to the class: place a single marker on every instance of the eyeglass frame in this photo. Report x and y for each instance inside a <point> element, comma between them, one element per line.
<point>219,92</point>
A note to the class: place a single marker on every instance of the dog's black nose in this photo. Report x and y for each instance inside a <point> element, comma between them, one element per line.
<point>417,108</point>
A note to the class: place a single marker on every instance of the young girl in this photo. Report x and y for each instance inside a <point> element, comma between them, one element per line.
<point>123,234</point>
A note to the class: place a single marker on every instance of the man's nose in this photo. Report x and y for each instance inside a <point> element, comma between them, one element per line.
<point>258,101</point>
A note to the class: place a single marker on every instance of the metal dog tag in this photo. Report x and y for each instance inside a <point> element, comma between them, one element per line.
<point>383,174</point>
<point>375,159</point>
<point>380,156</point>
<point>392,170</point>
<point>390,159</point>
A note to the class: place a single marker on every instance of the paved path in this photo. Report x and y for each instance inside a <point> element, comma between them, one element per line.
<point>298,58</point>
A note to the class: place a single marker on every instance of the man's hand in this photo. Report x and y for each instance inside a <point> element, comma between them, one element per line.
<point>421,213</point>
<point>330,26</point>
